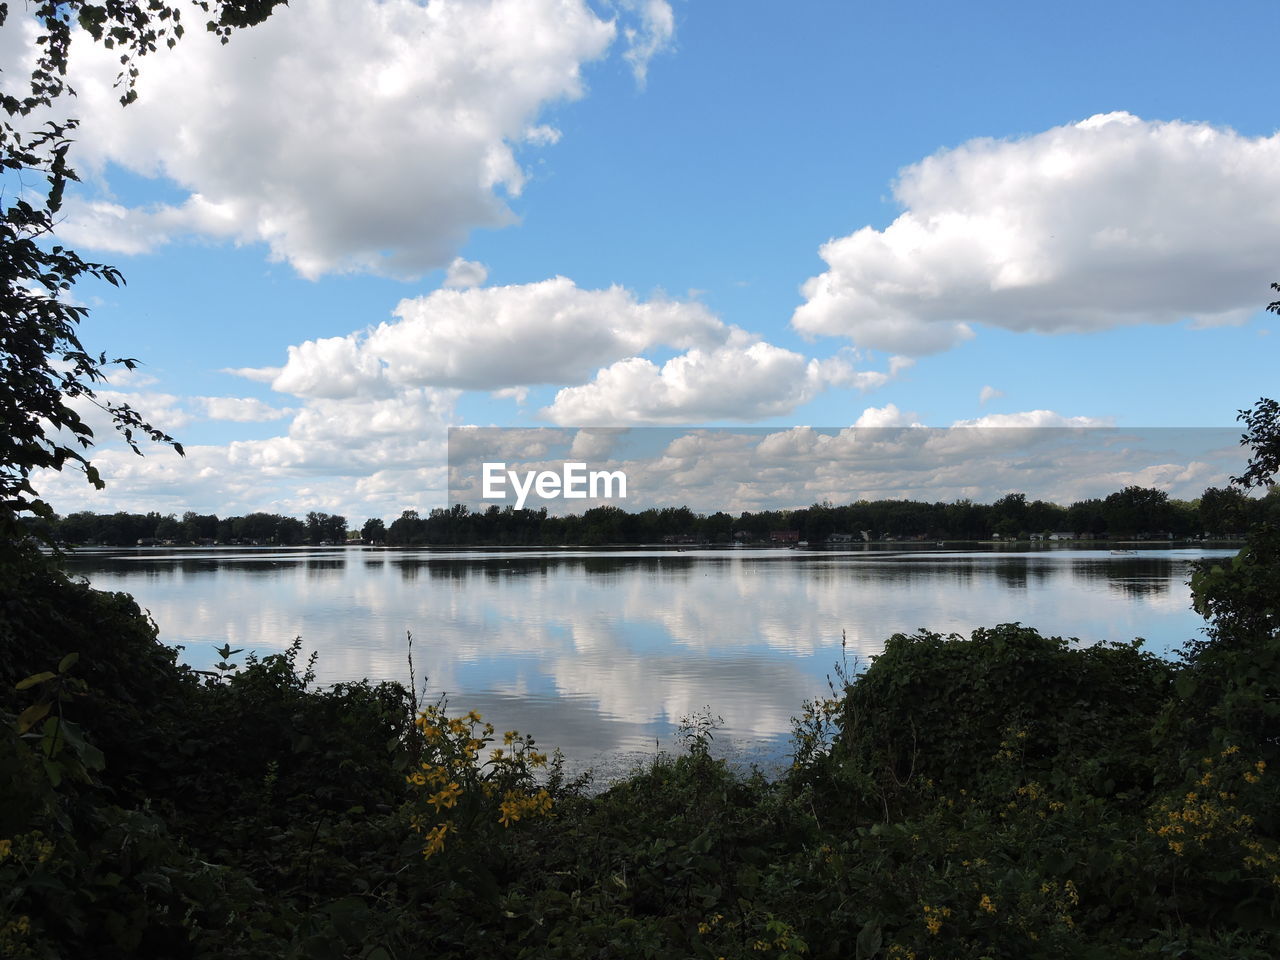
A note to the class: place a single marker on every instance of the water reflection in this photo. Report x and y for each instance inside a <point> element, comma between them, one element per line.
<point>604,653</point>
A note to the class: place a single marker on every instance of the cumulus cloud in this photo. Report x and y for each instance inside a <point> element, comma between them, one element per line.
<point>887,416</point>
<point>493,338</point>
<point>465,273</point>
<point>518,394</point>
<point>331,367</point>
<point>736,381</point>
<point>1111,221</point>
<point>241,409</point>
<point>988,392</point>
<point>1034,420</point>
<point>347,135</point>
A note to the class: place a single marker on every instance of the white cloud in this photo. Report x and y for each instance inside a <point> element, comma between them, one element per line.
<point>988,392</point>
<point>518,394</point>
<point>241,409</point>
<point>1103,223</point>
<point>740,380</point>
<point>731,382</point>
<point>493,338</point>
<point>331,367</point>
<point>653,35</point>
<point>1033,420</point>
<point>465,273</point>
<point>887,416</point>
<point>257,374</point>
<point>347,135</point>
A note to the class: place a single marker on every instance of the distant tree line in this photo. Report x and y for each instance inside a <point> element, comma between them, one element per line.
<point>1134,512</point>
<point>128,529</point>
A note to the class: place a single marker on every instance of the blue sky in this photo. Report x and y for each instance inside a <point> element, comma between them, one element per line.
<point>753,209</point>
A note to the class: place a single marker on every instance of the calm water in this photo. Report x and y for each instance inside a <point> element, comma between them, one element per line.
<point>603,653</point>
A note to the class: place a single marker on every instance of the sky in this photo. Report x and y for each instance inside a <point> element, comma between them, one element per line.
<point>362,223</point>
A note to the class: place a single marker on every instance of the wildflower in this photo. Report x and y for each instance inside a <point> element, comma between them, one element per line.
<point>510,812</point>
<point>435,840</point>
<point>446,797</point>
<point>933,918</point>
<point>986,904</point>
<point>6,847</point>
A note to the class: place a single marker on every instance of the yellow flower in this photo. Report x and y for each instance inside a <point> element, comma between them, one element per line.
<point>446,797</point>
<point>435,840</point>
<point>510,812</point>
<point>6,847</point>
<point>986,904</point>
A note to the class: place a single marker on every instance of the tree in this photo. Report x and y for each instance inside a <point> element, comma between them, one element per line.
<point>1009,515</point>
<point>373,531</point>
<point>44,366</point>
<point>1138,510</point>
<point>1233,687</point>
<point>1224,512</point>
<point>1241,597</point>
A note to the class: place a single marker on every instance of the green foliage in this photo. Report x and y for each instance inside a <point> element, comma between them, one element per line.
<point>937,709</point>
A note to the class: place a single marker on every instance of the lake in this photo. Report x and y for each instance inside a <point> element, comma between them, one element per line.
<point>602,653</point>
